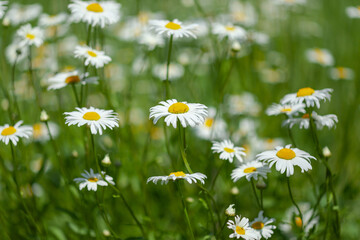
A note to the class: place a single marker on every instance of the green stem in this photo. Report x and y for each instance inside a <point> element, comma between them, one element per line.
<point>222,228</point>
<point>185,210</point>
<point>182,145</point>
<point>255,194</point>
<point>167,83</point>
<point>293,201</point>
<point>217,174</point>
<point>31,78</point>
<point>13,86</point>
<point>76,95</point>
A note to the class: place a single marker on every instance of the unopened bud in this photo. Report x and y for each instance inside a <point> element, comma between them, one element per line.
<point>106,233</point>
<point>230,211</point>
<point>235,47</point>
<point>190,199</point>
<point>261,184</point>
<point>234,191</point>
<point>6,22</point>
<point>5,104</point>
<point>326,152</point>
<point>106,161</point>
<point>18,51</point>
<point>75,154</point>
<point>44,117</point>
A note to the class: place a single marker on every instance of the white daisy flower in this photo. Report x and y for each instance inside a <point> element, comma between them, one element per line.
<point>172,28</point>
<point>151,40</point>
<point>286,158</point>
<point>212,128</point>
<point>230,211</point>
<point>320,56</point>
<point>228,151</point>
<point>16,51</point>
<point>320,121</point>
<point>91,180</point>
<point>308,96</point>
<point>176,71</point>
<point>30,36</point>
<point>243,13</point>
<point>189,114</point>
<point>289,2</point>
<point>246,103</point>
<point>96,119</point>
<point>190,178</point>
<point>229,31</point>
<point>250,170</point>
<point>18,14</point>
<point>13,133</point>
<point>342,73</point>
<point>2,8</point>
<point>95,13</point>
<point>93,57</point>
<point>263,225</point>
<point>63,79</point>
<point>242,229</point>
<point>41,133</point>
<point>47,20</point>
<point>288,109</point>
<point>353,12</point>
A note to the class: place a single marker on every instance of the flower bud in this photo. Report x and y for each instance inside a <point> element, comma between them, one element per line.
<point>230,211</point>
<point>106,162</point>
<point>326,152</point>
<point>235,47</point>
<point>261,184</point>
<point>44,117</point>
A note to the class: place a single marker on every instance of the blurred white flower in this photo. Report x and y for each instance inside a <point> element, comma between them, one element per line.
<point>190,178</point>
<point>92,57</point>
<point>176,71</point>
<point>342,73</point>
<point>320,56</point>
<point>30,36</point>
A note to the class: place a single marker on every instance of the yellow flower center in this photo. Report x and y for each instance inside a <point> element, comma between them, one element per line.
<point>286,110</point>
<point>172,26</point>
<point>94,7</point>
<point>230,28</point>
<point>178,174</point>
<point>257,225</point>
<point>306,115</point>
<point>209,122</point>
<point>30,36</point>
<point>286,154</point>
<point>305,92</point>
<point>229,150</point>
<point>320,56</point>
<point>240,230</point>
<point>72,79</point>
<point>91,116</point>
<point>93,179</point>
<point>342,72</point>
<point>92,54</point>
<point>37,130</point>
<point>178,108</point>
<point>298,222</point>
<point>8,131</point>
<point>249,169</point>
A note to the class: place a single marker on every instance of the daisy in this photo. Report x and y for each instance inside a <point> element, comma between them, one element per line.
<point>286,158</point>
<point>176,71</point>
<point>47,20</point>
<point>341,73</point>
<point>246,103</point>
<point>63,79</point>
<point>353,12</point>
<point>262,225</point>
<point>243,13</point>
<point>13,133</point>
<point>31,36</point>
<point>151,40</point>
<point>242,229</point>
<point>229,31</point>
<point>228,151</point>
<point>250,170</point>
<point>41,133</point>
<point>320,56</point>
<point>190,178</point>
<point>91,180</point>
<point>95,13</point>
<point>289,2</point>
<point>2,8</point>
<point>213,128</point>
<point>16,52</point>
<point>172,28</point>
<point>97,119</point>
<point>308,96</point>
<point>189,114</point>
<point>18,14</point>
<point>93,57</point>
<point>320,121</point>
<point>288,109</point>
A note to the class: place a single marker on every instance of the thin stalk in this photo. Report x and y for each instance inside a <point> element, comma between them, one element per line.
<point>88,38</point>
<point>217,174</point>
<point>104,217</point>
<point>255,194</point>
<point>261,199</point>
<point>31,78</point>
<point>182,148</point>
<point>293,201</point>
<point>185,211</point>
<point>13,86</point>
<point>222,228</point>
<point>167,83</point>
<point>76,95</point>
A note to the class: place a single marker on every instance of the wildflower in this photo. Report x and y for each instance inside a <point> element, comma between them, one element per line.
<point>245,103</point>
<point>320,121</point>
<point>250,170</point>
<point>189,114</point>
<point>2,8</point>
<point>64,79</point>
<point>151,40</point>
<point>242,229</point>
<point>326,152</point>
<point>213,128</point>
<point>95,13</point>
<point>263,225</point>
<point>106,161</point>
<point>30,36</point>
<point>190,178</point>
<point>353,12</point>
<point>341,73</point>
<point>93,57</point>
<point>176,71</point>
<point>289,2</point>
<point>228,151</point>
<point>288,109</point>
<point>172,28</point>
<point>320,56</point>
<point>309,96</point>
<point>286,158</point>
<point>242,13</point>
<point>229,31</point>
<point>46,20</point>
<point>16,51</point>
<point>13,133</point>
<point>44,117</point>
<point>41,133</point>
<point>18,14</point>
<point>230,211</point>
<point>97,119</point>
<point>92,180</point>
